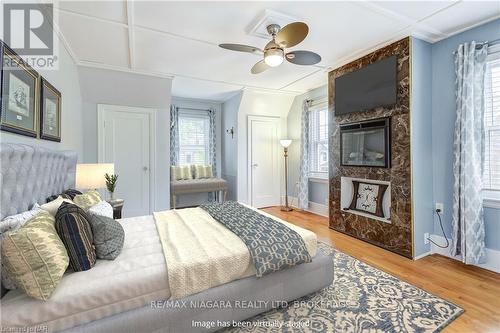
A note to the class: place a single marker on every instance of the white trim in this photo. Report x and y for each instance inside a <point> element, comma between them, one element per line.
<point>313,207</point>
<point>318,180</point>
<point>492,256</point>
<point>422,255</point>
<point>91,64</point>
<point>101,108</point>
<point>491,203</point>
<point>131,33</point>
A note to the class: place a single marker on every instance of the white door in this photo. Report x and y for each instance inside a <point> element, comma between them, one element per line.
<point>264,161</point>
<point>125,139</point>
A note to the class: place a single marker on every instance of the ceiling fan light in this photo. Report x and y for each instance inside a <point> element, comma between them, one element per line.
<point>273,57</point>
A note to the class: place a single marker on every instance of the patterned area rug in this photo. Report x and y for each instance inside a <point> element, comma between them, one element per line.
<point>361,299</point>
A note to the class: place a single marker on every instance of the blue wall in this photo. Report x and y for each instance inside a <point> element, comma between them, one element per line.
<point>421,140</point>
<point>318,192</point>
<point>443,122</point>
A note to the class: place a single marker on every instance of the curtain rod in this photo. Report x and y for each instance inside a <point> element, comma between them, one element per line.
<point>489,43</point>
<point>193,109</point>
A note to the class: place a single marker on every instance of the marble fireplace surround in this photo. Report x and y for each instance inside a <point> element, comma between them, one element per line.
<point>397,235</point>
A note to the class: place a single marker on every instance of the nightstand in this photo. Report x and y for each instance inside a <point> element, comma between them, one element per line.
<point>117,205</point>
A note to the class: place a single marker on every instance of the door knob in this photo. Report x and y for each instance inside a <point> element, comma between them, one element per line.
<point>255,165</point>
<point>145,168</point>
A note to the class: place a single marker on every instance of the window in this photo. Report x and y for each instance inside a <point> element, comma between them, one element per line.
<point>318,141</point>
<point>492,124</point>
<point>193,138</point>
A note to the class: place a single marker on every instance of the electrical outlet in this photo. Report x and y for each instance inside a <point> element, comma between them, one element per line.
<point>439,206</point>
<point>426,238</point>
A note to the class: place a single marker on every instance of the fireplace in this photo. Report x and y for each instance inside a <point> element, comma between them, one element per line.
<point>366,143</point>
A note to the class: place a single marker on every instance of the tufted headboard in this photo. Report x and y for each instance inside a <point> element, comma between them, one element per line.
<point>30,174</point>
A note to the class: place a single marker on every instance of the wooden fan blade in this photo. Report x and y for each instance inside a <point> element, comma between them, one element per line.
<point>259,67</point>
<point>242,48</point>
<point>303,57</point>
<point>292,34</point>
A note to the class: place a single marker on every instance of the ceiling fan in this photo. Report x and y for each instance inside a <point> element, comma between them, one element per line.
<point>274,52</point>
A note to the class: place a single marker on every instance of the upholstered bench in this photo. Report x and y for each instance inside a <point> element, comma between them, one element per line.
<point>187,186</point>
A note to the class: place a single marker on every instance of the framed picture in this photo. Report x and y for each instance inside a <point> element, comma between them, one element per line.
<point>50,112</point>
<point>18,94</point>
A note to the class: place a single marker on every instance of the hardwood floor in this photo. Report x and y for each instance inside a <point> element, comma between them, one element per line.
<point>474,289</point>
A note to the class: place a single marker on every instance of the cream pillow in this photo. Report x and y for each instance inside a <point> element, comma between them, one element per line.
<point>203,171</point>
<point>53,205</point>
<point>87,199</point>
<point>181,172</point>
<point>13,223</point>
<point>35,257</point>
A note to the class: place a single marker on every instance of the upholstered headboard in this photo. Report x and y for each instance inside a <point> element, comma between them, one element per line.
<point>30,174</point>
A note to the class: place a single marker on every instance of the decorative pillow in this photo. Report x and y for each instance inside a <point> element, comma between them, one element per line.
<point>102,208</point>
<point>181,172</point>
<point>54,205</point>
<point>108,236</point>
<point>68,194</point>
<point>35,257</point>
<point>87,199</point>
<point>73,226</point>
<point>13,223</point>
<point>203,171</point>
<point>367,198</point>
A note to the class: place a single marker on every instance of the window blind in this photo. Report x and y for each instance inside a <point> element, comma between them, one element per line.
<point>492,125</point>
<point>193,139</point>
<point>318,142</point>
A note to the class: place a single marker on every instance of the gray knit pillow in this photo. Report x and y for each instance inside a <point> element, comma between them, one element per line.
<point>108,236</point>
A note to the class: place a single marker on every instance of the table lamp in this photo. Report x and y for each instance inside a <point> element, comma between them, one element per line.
<point>91,176</point>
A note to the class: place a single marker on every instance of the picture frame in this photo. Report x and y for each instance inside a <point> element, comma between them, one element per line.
<point>19,90</point>
<point>50,112</point>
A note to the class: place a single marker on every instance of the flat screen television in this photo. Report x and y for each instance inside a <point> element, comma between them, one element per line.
<point>367,88</point>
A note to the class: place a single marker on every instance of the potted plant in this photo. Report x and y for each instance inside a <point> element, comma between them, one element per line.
<point>111,184</point>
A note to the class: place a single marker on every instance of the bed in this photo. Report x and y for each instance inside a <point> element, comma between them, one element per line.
<point>131,293</point>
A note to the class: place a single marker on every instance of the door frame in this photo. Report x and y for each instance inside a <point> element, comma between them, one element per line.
<point>277,121</point>
<point>101,109</point>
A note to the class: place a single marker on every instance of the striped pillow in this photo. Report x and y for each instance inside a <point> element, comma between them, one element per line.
<point>35,257</point>
<point>87,199</point>
<point>181,172</point>
<point>203,171</point>
<point>73,226</point>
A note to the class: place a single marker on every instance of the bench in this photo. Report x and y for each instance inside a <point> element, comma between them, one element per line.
<point>203,185</point>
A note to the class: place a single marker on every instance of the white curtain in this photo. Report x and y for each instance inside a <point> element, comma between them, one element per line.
<point>174,135</point>
<point>212,149</point>
<point>467,220</point>
<point>303,196</point>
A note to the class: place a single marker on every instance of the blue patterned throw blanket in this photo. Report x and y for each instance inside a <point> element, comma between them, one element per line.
<point>272,245</point>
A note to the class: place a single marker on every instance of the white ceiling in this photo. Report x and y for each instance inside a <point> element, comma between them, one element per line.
<point>179,39</point>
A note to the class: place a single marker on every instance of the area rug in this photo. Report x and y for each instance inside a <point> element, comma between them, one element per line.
<point>362,298</point>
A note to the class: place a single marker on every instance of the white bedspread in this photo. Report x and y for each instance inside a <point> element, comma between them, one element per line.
<point>135,278</point>
<point>201,253</point>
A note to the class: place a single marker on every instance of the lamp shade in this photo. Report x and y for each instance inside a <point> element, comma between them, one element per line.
<point>91,176</point>
<point>285,143</point>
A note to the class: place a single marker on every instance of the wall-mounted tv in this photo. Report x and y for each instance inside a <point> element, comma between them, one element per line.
<point>367,88</point>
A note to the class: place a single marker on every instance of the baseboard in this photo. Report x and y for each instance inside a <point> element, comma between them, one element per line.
<point>492,256</point>
<point>422,255</point>
<point>313,207</point>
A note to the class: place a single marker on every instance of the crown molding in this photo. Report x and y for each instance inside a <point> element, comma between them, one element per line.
<point>90,64</point>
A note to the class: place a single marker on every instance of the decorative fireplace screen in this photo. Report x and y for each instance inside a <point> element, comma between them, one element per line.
<point>366,143</point>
